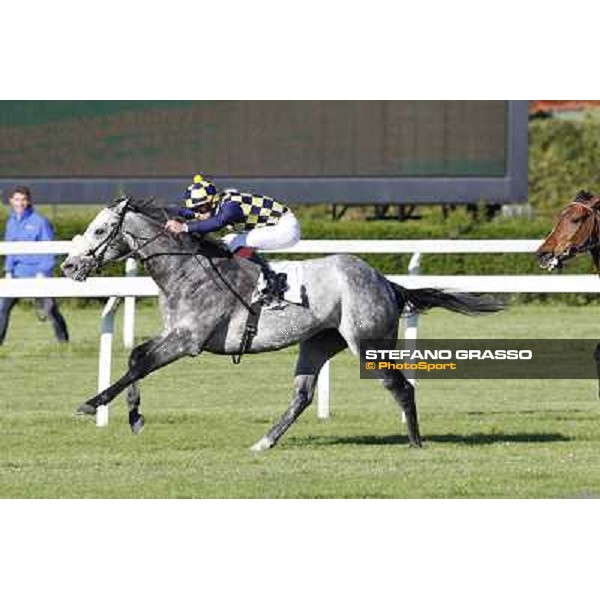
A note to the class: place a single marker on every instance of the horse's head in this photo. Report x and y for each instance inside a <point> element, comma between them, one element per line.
<point>101,242</point>
<point>577,230</point>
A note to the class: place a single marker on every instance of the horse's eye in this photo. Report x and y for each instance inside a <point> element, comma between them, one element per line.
<point>579,219</point>
<point>100,231</point>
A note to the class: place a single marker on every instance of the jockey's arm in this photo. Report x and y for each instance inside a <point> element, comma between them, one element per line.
<point>180,211</point>
<point>230,213</point>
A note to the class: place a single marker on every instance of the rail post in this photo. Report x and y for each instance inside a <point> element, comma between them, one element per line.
<point>105,355</point>
<point>323,391</point>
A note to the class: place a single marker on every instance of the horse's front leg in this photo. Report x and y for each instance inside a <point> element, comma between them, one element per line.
<point>144,359</point>
<point>134,400</point>
<point>135,417</point>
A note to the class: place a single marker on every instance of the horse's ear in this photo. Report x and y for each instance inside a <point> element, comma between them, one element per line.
<point>589,199</point>
<point>118,201</point>
<point>584,196</point>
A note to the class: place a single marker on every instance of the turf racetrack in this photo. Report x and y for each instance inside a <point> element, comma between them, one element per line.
<point>482,439</point>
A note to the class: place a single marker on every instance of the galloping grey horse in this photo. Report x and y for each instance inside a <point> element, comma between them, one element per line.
<point>204,296</point>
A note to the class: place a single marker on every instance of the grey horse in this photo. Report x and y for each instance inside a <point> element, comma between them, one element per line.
<point>204,299</point>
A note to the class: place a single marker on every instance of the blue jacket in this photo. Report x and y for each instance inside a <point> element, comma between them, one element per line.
<point>30,227</point>
<point>228,214</point>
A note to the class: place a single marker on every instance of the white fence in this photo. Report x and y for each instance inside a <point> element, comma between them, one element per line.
<point>337,247</point>
<point>131,287</point>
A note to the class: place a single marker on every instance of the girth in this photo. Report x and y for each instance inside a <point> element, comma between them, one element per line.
<point>250,330</point>
<point>255,308</point>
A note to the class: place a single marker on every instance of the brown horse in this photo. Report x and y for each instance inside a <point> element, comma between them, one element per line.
<point>577,230</point>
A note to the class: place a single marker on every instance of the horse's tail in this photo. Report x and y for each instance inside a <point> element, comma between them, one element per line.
<point>423,299</point>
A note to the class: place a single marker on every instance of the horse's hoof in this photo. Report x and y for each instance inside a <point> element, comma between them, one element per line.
<point>85,410</point>
<point>263,444</point>
<point>138,425</point>
<point>418,444</point>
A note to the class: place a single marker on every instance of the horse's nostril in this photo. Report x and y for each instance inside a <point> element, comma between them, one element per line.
<point>67,267</point>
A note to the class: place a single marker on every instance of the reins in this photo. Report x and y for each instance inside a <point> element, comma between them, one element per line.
<point>134,253</point>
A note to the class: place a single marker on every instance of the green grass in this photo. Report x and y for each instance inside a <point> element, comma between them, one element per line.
<point>483,439</point>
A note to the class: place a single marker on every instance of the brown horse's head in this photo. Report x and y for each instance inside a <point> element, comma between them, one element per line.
<point>576,230</point>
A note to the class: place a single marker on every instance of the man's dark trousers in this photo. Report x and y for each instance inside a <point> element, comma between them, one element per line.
<point>50,308</point>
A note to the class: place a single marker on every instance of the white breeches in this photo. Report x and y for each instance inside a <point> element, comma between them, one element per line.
<point>272,237</point>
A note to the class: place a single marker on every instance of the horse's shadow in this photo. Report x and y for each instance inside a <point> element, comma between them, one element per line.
<point>472,439</point>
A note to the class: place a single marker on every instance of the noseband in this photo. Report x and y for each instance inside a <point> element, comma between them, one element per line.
<point>100,250</point>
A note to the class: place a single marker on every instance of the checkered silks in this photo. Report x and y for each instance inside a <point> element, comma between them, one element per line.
<point>259,211</point>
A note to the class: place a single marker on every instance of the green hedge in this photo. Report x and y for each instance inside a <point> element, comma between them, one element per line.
<point>564,157</point>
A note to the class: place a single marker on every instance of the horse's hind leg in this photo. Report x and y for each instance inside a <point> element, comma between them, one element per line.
<point>314,353</point>
<point>404,394</point>
<point>402,391</point>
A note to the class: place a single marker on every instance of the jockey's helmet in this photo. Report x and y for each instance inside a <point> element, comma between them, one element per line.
<point>200,192</point>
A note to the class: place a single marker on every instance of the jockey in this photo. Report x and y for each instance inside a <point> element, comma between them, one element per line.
<point>258,222</point>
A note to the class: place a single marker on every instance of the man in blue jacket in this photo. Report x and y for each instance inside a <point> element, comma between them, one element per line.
<point>25,225</point>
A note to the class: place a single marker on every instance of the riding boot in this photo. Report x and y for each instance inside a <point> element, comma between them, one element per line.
<point>275,283</point>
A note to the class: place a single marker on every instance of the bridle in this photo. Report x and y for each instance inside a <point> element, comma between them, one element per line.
<point>593,239</point>
<point>98,252</point>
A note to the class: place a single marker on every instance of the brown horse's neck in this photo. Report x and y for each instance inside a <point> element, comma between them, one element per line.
<point>595,252</point>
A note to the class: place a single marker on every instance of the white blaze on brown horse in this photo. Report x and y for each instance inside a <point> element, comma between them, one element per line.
<point>577,230</point>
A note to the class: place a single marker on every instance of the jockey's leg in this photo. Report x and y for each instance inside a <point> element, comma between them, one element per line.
<point>275,283</point>
<point>235,241</point>
<point>284,234</point>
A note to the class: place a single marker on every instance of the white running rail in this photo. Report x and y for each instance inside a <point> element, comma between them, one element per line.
<point>130,287</point>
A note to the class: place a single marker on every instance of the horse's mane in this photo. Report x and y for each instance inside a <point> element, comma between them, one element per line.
<point>157,211</point>
<point>584,196</point>
<point>148,207</point>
